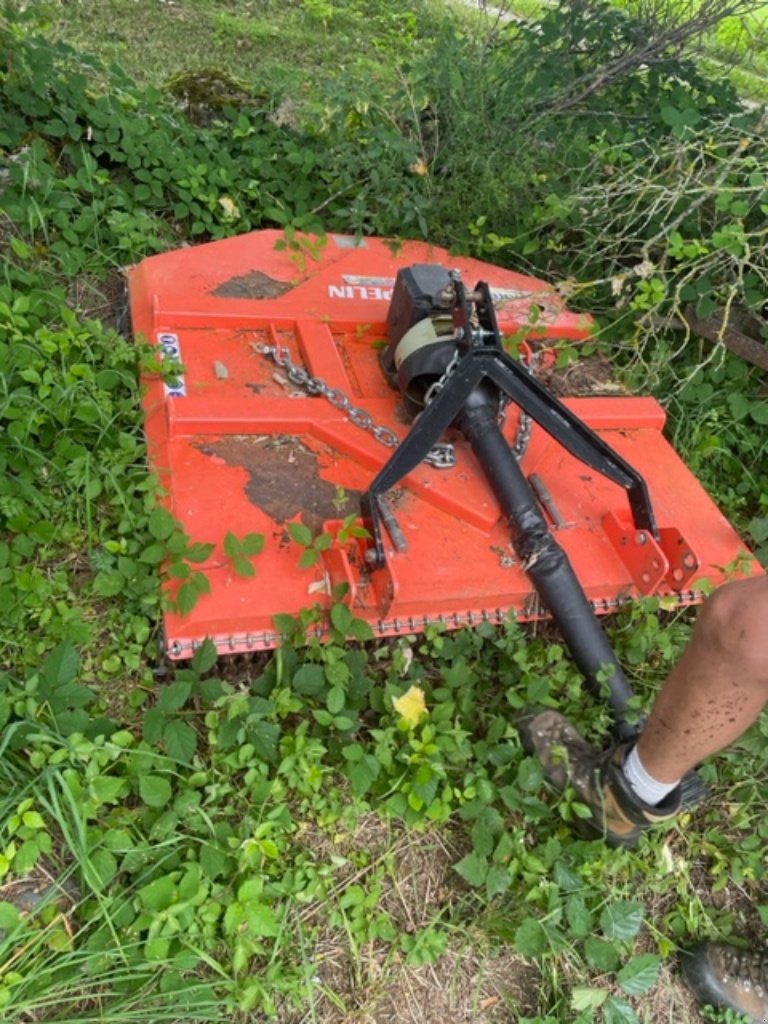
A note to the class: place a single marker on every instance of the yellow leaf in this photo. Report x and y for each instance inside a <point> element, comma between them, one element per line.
<point>411,706</point>
<point>229,207</point>
<point>419,167</point>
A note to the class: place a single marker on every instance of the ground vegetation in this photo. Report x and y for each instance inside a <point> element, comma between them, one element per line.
<point>297,838</point>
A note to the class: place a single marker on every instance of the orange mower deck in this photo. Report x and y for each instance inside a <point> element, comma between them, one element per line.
<point>240,448</point>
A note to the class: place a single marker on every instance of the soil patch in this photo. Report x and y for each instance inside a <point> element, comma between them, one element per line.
<point>380,983</point>
<point>590,375</point>
<point>253,285</point>
<point>284,478</point>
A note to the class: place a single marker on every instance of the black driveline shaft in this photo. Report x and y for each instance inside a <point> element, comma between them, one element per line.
<point>542,557</point>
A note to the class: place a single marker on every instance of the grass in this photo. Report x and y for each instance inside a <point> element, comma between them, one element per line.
<point>214,844</point>
<point>268,44</point>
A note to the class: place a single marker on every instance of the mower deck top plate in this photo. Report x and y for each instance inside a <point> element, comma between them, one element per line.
<point>239,448</point>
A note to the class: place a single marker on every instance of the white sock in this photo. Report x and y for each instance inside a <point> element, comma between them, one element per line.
<point>650,790</point>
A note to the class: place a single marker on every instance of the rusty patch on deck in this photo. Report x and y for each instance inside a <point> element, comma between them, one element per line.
<point>253,285</point>
<point>284,478</point>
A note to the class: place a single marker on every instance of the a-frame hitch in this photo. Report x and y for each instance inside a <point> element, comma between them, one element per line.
<point>447,356</point>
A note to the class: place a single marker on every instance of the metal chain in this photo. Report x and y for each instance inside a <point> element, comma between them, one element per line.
<point>437,386</point>
<point>442,455</point>
<point>525,423</point>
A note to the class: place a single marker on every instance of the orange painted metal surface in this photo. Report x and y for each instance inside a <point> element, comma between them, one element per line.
<point>238,447</point>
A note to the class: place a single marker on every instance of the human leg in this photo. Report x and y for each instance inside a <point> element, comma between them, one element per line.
<point>712,695</point>
<point>719,686</point>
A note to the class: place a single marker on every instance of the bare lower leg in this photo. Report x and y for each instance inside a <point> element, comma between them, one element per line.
<point>719,686</point>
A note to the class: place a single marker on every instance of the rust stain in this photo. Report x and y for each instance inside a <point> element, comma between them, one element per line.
<point>253,285</point>
<point>284,478</point>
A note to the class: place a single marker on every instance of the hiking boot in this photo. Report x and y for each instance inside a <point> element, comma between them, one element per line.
<point>618,815</point>
<point>728,978</point>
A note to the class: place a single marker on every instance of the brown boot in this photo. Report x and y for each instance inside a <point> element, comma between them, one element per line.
<point>617,813</point>
<point>728,978</point>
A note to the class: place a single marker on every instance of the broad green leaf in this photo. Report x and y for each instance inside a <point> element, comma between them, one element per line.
<point>335,700</point>
<point>198,552</point>
<point>498,880</point>
<point>322,542</point>
<point>531,938</point>
<point>252,544</point>
<point>159,894</point>
<point>186,598</point>
<point>190,884</point>
<point>173,697</point>
<point>473,869</point>
<point>622,919</point>
<point>300,533</point>
<point>152,725</point>
<point>161,523</point>
<point>285,623</point>
<point>108,583</point>
<point>26,856</point>
<point>232,545</point>
<point>250,889</point>
<point>363,773</point>
<point>202,582</point>
<point>61,665</point>
<point>618,1011</point>
<point>341,617</point>
<point>155,790</point>
<point>580,921</point>
<point>640,974</point>
<point>180,741</point>
<point>153,554</point>
<point>264,736</point>
<point>157,949</point>
<point>359,629</point>
<point>243,566</point>
<point>483,840</point>
<point>261,920</point>
<point>588,998</point>
<point>104,863</point>
<point>530,774</point>
<point>600,954</point>
<point>309,680</point>
<point>9,915</point>
<point>213,861</point>
<point>179,571</point>
<point>204,657</point>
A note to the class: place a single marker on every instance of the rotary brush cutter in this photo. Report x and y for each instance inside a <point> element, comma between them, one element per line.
<point>367,383</point>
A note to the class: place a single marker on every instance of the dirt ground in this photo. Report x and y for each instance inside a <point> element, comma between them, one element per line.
<point>473,981</point>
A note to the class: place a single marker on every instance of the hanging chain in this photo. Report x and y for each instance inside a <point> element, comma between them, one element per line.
<point>442,455</point>
<point>525,423</point>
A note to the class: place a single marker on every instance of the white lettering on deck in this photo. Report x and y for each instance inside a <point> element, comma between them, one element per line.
<point>373,293</point>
